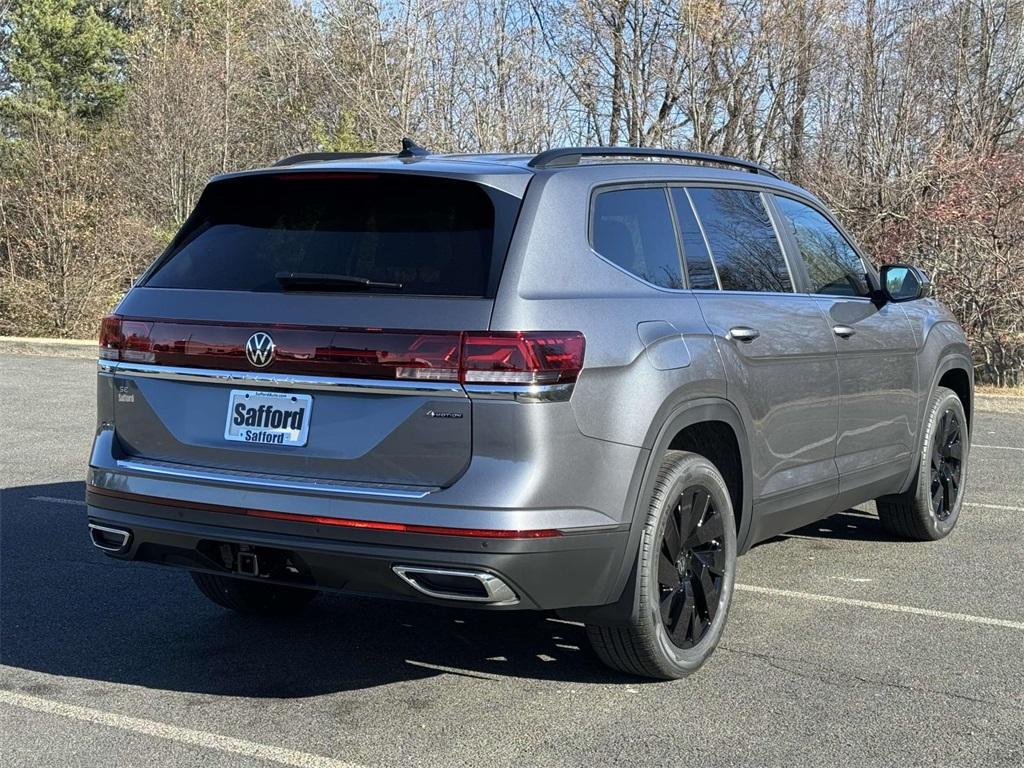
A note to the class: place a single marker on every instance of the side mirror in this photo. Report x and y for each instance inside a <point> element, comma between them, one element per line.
<point>901,282</point>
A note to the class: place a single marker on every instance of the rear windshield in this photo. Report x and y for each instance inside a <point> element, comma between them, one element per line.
<point>403,233</point>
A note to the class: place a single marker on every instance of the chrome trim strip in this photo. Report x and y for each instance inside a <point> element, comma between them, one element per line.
<point>125,537</point>
<point>283,380</point>
<point>522,393</point>
<point>268,482</point>
<point>498,592</point>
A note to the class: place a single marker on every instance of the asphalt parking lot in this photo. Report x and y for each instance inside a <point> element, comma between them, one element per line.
<point>843,646</point>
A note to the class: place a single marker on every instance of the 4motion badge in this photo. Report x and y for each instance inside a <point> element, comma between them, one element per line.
<point>444,414</point>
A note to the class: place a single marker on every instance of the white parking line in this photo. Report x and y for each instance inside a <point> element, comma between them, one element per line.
<point>993,506</point>
<point>57,500</point>
<point>1019,625</point>
<point>998,447</point>
<point>213,741</point>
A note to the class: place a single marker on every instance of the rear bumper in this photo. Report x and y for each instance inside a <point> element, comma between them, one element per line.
<point>576,569</point>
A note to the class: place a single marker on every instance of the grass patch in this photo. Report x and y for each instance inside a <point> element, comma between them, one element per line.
<point>988,389</point>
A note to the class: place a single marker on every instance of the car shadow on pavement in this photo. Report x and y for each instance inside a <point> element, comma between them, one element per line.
<point>851,525</point>
<point>68,610</point>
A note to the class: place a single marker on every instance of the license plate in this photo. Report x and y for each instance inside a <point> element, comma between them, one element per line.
<point>268,418</point>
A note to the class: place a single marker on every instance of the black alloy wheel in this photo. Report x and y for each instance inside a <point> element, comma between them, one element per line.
<point>930,506</point>
<point>691,567</point>
<point>947,464</point>
<point>685,570</point>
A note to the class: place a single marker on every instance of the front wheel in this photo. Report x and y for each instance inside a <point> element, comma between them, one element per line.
<point>929,509</point>
<point>686,570</point>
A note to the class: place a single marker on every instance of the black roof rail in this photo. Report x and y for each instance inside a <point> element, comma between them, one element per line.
<point>313,157</point>
<point>566,157</point>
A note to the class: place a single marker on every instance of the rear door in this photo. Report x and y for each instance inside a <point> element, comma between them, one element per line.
<point>877,353</point>
<point>340,295</point>
<point>778,351</point>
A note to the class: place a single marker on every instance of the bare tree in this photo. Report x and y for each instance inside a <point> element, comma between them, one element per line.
<point>72,236</point>
<point>908,118</point>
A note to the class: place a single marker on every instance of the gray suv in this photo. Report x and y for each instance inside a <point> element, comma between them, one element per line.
<point>582,381</point>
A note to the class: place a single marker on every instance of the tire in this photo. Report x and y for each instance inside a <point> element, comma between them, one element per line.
<point>675,630</point>
<point>252,598</point>
<point>929,509</point>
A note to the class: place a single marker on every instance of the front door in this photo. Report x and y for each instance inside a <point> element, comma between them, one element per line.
<point>877,402</point>
<point>877,356</point>
<point>778,351</point>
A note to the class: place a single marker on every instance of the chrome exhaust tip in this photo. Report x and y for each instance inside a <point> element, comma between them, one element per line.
<point>109,539</point>
<point>448,584</point>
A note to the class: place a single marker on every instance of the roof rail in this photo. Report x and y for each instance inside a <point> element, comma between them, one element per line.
<point>570,156</point>
<point>313,157</point>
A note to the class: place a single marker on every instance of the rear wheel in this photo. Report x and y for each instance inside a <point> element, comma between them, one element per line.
<point>251,597</point>
<point>929,509</point>
<point>686,570</point>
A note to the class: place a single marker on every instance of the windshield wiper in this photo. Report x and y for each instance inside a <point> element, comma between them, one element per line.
<point>313,281</point>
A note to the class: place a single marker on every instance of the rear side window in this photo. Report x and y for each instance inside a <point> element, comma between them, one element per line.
<point>743,244</point>
<point>632,228</point>
<point>388,233</point>
<point>699,269</point>
<point>833,267</point>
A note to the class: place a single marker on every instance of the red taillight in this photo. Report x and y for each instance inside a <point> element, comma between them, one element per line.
<point>386,354</point>
<point>473,357</point>
<point>110,338</point>
<point>527,357</point>
<point>122,339</point>
<point>136,341</point>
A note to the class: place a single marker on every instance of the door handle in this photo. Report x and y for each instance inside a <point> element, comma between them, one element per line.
<point>843,331</point>
<point>743,333</point>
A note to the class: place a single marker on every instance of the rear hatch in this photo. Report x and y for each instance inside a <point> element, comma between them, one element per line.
<point>309,324</point>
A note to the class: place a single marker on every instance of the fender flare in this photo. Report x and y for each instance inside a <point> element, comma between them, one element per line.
<point>949,361</point>
<point>623,589</point>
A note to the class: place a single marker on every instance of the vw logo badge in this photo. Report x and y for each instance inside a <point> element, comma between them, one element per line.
<point>260,349</point>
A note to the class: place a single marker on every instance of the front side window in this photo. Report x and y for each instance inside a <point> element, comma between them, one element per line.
<point>743,244</point>
<point>632,228</point>
<point>833,266</point>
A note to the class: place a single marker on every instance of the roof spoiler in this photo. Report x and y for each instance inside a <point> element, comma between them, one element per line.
<point>409,149</point>
<point>316,157</point>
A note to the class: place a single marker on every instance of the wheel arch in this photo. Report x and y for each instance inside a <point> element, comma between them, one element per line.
<point>959,380</point>
<point>696,420</point>
<point>954,370</point>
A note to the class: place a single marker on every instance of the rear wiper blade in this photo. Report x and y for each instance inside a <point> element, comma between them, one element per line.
<point>314,281</point>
